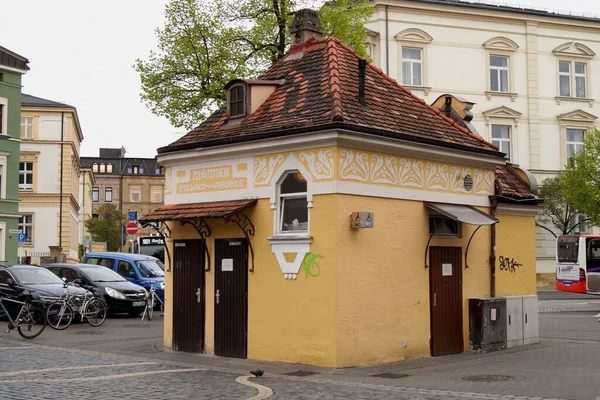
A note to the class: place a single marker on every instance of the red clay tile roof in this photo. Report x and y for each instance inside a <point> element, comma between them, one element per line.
<point>217,209</point>
<point>511,186</point>
<point>320,91</point>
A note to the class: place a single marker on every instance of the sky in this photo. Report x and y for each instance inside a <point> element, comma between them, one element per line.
<point>82,52</point>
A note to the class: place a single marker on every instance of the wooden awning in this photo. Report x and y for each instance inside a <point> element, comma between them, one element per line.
<point>180,212</point>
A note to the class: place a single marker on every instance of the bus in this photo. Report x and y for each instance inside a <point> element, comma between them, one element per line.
<point>578,263</point>
<point>151,246</point>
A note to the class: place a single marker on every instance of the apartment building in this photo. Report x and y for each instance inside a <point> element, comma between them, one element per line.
<point>49,172</point>
<point>131,184</point>
<point>531,76</point>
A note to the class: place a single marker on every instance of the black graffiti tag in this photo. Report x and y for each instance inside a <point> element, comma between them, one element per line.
<point>509,264</point>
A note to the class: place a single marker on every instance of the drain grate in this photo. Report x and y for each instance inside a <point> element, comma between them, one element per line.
<point>488,378</point>
<point>390,375</point>
<point>301,373</point>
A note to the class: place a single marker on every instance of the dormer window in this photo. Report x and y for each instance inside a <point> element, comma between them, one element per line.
<point>237,103</point>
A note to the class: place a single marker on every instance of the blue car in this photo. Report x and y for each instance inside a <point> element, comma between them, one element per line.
<point>146,271</point>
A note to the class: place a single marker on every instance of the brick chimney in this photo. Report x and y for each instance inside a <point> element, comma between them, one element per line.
<point>306,25</point>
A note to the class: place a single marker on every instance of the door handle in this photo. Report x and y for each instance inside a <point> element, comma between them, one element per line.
<point>217,295</point>
<point>434,299</point>
<point>199,295</point>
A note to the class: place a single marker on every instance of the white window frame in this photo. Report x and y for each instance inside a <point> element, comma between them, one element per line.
<point>4,120</point>
<point>3,233</point>
<point>95,167</point>
<point>153,191</point>
<point>281,202</point>
<point>102,168</point>
<point>3,168</point>
<point>412,63</point>
<point>576,144</point>
<point>498,71</point>
<point>96,190</point>
<point>107,191</point>
<point>133,189</point>
<point>109,168</point>
<point>572,75</point>
<point>499,141</point>
<point>23,227</point>
<point>27,128</point>
<point>26,187</point>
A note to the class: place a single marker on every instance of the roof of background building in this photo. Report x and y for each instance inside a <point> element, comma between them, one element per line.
<point>121,165</point>
<point>34,101</point>
<point>319,91</point>
<point>527,10</point>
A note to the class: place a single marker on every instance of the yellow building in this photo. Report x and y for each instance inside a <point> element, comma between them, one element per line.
<point>49,173</point>
<point>327,216</point>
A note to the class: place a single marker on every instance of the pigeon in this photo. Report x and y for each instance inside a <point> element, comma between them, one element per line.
<point>257,372</point>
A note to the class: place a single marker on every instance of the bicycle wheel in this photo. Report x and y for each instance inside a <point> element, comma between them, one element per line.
<point>32,323</point>
<point>150,307</point>
<point>95,312</point>
<point>59,315</point>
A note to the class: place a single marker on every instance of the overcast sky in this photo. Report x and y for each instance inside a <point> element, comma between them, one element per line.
<point>81,52</point>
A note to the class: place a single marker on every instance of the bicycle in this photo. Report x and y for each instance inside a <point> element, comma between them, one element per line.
<point>151,302</point>
<point>61,313</point>
<point>31,320</point>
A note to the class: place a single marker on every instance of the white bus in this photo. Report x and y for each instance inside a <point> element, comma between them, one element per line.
<point>151,246</point>
<point>578,263</point>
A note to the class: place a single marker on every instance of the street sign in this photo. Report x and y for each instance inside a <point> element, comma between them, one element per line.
<point>132,215</point>
<point>21,237</point>
<point>14,231</point>
<point>132,228</point>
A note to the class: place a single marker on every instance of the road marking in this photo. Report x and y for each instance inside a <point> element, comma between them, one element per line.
<point>58,369</point>
<point>104,377</point>
<point>264,392</point>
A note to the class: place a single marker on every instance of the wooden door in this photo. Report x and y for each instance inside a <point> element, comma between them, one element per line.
<point>188,295</point>
<point>445,300</point>
<point>231,297</point>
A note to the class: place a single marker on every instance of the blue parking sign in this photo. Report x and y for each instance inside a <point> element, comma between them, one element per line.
<point>21,237</point>
<point>132,215</point>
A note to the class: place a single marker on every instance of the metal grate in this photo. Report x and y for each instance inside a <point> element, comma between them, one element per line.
<point>301,373</point>
<point>488,378</point>
<point>390,375</point>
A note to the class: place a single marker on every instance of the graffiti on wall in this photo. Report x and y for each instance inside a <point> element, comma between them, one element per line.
<point>310,265</point>
<point>508,264</point>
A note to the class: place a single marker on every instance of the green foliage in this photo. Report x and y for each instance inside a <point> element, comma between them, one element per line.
<point>107,227</point>
<point>205,44</point>
<point>80,252</point>
<point>581,180</point>
<point>557,214</point>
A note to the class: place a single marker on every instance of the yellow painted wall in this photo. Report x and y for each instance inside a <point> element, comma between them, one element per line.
<point>383,286</point>
<point>515,243</point>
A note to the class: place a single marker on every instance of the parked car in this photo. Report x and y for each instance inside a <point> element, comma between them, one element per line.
<point>120,295</point>
<point>41,283</point>
<point>143,270</point>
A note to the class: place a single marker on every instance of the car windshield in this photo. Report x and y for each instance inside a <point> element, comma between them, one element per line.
<point>36,276</point>
<point>101,274</point>
<point>151,268</point>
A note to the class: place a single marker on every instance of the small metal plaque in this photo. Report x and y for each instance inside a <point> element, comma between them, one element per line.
<point>446,269</point>
<point>227,264</point>
<point>362,220</point>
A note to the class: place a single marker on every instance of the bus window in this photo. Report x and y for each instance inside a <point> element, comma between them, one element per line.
<point>567,248</point>
<point>594,249</point>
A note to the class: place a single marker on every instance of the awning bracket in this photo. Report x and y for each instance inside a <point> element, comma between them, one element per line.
<point>204,231</point>
<point>163,229</point>
<point>247,227</point>
<point>429,241</point>
<point>469,244</point>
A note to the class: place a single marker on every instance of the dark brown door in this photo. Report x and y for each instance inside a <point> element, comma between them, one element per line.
<point>231,297</point>
<point>445,299</point>
<point>188,295</point>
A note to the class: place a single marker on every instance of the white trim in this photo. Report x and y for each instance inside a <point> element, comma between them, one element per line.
<point>515,209</point>
<point>12,69</point>
<point>336,137</point>
<point>3,233</point>
<point>10,216</point>
<point>4,121</point>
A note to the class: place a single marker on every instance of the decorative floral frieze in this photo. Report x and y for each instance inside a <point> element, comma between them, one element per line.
<point>168,179</point>
<point>354,165</point>
<point>265,168</point>
<point>320,163</point>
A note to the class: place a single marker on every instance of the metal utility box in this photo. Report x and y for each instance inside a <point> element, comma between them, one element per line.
<point>514,321</point>
<point>531,331</point>
<point>487,324</point>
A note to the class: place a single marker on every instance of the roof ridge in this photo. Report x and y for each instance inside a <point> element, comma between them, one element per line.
<point>337,113</point>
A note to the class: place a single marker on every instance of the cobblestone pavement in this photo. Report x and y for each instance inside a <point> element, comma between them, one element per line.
<point>31,371</point>
<point>569,305</point>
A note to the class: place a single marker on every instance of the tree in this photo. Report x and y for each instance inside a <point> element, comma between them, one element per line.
<point>557,214</point>
<point>580,183</point>
<point>205,44</point>
<point>107,226</point>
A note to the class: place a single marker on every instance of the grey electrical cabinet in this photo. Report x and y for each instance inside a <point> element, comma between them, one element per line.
<point>514,321</point>
<point>487,323</point>
<point>531,330</point>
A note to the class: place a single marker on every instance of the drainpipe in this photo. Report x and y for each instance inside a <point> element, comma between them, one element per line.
<point>387,42</point>
<point>60,213</point>
<point>121,200</point>
<point>493,207</point>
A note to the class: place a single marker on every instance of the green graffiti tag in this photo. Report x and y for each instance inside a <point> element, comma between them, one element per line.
<point>310,266</point>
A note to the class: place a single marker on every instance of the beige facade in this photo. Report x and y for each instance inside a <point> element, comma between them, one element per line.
<point>49,176</point>
<point>534,76</point>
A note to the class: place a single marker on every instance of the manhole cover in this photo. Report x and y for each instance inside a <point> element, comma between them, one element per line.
<point>390,375</point>
<point>488,378</point>
<point>301,373</point>
<point>135,325</point>
<point>88,333</point>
